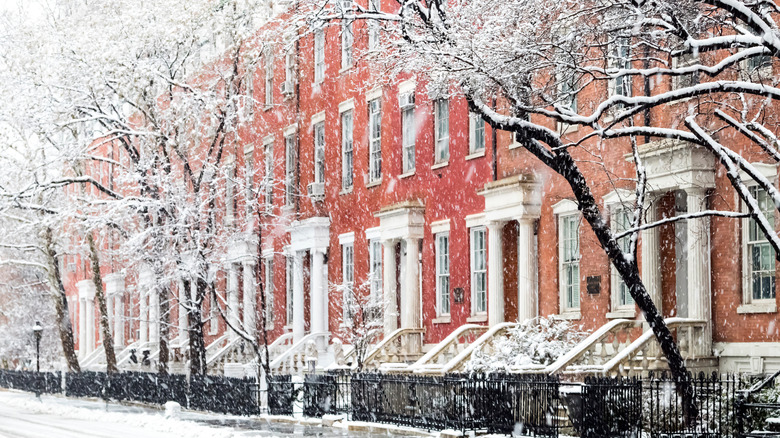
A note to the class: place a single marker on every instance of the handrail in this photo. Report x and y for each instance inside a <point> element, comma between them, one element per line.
<point>390,338</point>
<point>647,336</point>
<point>760,385</point>
<point>93,357</point>
<point>468,351</point>
<point>300,345</point>
<point>445,344</point>
<point>580,349</point>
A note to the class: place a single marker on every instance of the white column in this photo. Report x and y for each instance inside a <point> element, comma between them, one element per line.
<point>319,323</point>
<point>495,274</point>
<point>389,287</point>
<point>115,285</point>
<point>232,300</point>
<point>651,274</point>
<point>90,325</point>
<point>699,263</point>
<point>298,305</point>
<point>250,299</point>
<point>182,312</point>
<point>410,298</point>
<point>144,315</point>
<point>154,316</point>
<point>526,272</point>
<point>82,327</point>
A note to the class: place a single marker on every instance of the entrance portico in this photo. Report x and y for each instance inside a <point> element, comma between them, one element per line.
<point>312,236</point>
<point>517,198</point>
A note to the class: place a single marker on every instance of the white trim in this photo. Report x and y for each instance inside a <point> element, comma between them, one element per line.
<point>268,139</point>
<point>290,130</point>
<point>249,149</point>
<point>374,93</point>
<point>373,233</point>
<point>442,226</point>
<point>565,207</point>
<point>749,304</point>
<point>347,238</point>
<point>318,118</point>
<point>407,86</point>
<point>564,309</point>
<point>768,171</point>
<point>478,154</point>
<point>619,196</point>
<point>476,220</point>
<point>347,105</point>
<point>761,306</point>
<point>268,253</point>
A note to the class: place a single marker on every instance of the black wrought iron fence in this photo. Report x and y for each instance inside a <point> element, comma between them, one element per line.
<point>610,408</point>
<point>281,394</point>
<point>39,383</point>
<point>325,394</point>
<point>757,407</point>
<point>714,397</point>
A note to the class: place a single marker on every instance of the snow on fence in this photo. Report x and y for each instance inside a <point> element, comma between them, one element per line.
<point>209,393</point>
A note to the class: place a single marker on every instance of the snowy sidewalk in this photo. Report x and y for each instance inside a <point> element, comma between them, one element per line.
<point>24,416</point>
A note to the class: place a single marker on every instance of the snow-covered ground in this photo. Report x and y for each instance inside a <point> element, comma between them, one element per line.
<point>22,415</point>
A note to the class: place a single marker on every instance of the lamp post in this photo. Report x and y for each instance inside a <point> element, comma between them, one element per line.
<point>37,331</point>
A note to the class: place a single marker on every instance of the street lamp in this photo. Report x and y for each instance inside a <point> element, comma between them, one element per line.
<point>37,331</point>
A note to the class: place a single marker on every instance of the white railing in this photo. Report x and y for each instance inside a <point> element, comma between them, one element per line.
<point>448,348</point>
<point>93,358</point>
<point>485,343</point>
<point>596,349</point>
<point>394,348</point>
<point>293,361</point>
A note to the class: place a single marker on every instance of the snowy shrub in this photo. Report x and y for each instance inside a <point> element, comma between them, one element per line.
<point>534,343</point>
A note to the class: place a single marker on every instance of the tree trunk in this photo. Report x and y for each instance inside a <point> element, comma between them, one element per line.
<point>97,280</point>
<point>64,326</point>
<point>195,322</point>
<point>265,359</point>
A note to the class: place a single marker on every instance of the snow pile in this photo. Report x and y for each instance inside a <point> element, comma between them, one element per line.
<point>534,343</point>
<point>156,423</point>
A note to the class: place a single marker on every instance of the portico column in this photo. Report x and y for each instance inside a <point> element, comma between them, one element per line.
<point>410,312</point>
<point>250,301</point>
<point>115,289</point>
<point>526,281</point>
<point>90,324</point>
<point>82,326</point>
<point>651,258</point>
<point>389,287</point>
<point>495,274</point>
<point>698,235</point>
<point>232,300</point>
<point>298,306</point>
<point>145,279</point>
<point>154,316</point>
<point>318,305</point>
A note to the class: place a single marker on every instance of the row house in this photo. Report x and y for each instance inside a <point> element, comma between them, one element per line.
<point>381,193</point>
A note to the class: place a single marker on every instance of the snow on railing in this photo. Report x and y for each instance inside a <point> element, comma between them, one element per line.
<point>293,360</point>
<point>392,348</point>
<point>486,340</point>
<point>588,346</point>
<point>448,348</point>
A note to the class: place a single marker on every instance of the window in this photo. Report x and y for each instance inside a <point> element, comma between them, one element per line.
<point>478,271</point>
<point>476,133</point>
<point>567,91</point>
<point>622,60</point>
<point>249,99</point>
<point>289,267</point>
<point>569,262</point>
<point>442,274</point>
<point>230,195</point>
<point>686,80</point>
<point>442,122</point>
<point>269,78</point>
<point>269,291</point>
<point>319,152</point>
<point>319,55</point>
<point>373,26</point>
<point>347,39</point>
<point>408,130</point>
<point>347,282</point>
<point>375,270</point>
<point>289,74</point>
<point>759,254</point>
<point>346,150</point>
<point>621,297</point>
<point>268,176</point>
<point>289,169</point>
<point>249,173</point>
<point>213,316</point>
<point>375,140</point>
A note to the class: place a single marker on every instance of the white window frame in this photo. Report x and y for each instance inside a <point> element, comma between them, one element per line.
<point>268,174</point>
<point>347,44</point>
<point>478,264</point>
<point>269,78</point>
<point>347,282</point>
<point>347,149</point>
<point>375,269</point>
<point>620,58</point>
<point>213,316</point>
<point>618,201</point>
<point>749,303</point>
<point>408,133</point>
<point>476,134</point>
<point>566,212</point>
<point>230,193</point>
<point>289,72</point>
<point>375,140</point>
<point>249,98</point>
<point>443,301</point>
<point>289,269</point>
<point>290,167</point>
<point>441,131</point>
<point>373,26</point>
<point>687,80</point>
<point>249,175</point>
<point>319,151</point>
<point>319,55</point>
